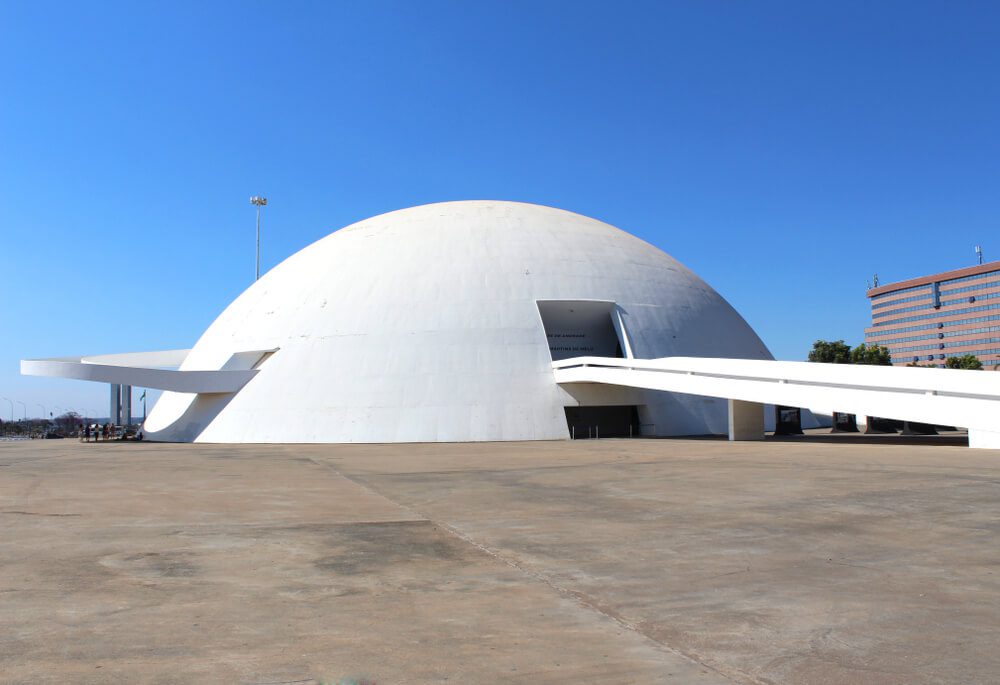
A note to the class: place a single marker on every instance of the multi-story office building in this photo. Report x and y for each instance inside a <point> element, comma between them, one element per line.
<point>928,319</point>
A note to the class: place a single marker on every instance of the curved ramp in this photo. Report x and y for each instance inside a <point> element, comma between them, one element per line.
<point>143,369</point>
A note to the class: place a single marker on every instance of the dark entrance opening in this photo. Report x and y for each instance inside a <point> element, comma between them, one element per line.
<point>602,422</point>
<point>582,328</point>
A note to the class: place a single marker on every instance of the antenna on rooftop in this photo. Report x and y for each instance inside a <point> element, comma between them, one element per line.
<point>979,253</point>
<point>875,280</point>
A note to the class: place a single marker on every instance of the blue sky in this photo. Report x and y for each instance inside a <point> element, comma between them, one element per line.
<point>783,151</point>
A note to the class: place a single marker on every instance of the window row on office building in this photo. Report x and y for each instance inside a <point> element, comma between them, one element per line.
<point>939,299</point>
<point>941,303</point>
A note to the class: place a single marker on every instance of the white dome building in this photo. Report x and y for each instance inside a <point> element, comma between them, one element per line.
<point>441,322</point>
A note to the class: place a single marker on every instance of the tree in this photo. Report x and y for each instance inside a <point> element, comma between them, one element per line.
<point>826,352</point>
<point>965,361</point>
<point>68,422</point>
<point>838,352</point>
<point>874,355</point>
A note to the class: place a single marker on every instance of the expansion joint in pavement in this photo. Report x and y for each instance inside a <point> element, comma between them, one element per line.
<point>581,599</point>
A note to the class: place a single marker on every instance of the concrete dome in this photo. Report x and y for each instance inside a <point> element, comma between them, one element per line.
<point>440,323</point>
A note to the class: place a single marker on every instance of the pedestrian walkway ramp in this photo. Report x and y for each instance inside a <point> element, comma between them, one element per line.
<point>954,397</point>
<point>152,370</point>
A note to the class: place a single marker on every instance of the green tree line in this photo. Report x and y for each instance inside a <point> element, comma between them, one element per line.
<point>838,352</point>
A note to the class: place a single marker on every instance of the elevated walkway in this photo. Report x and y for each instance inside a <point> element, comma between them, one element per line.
<point>938,396</point>
<point>148,370</point>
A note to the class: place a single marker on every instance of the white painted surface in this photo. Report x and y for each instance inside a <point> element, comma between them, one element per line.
<point>124,369</point>
<point>161,358</point>
<point>942,396</point>
<point>984,439</point>
<point>422,325</point>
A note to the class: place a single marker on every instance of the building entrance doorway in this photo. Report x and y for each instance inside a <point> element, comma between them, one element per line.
<point>602,422</point>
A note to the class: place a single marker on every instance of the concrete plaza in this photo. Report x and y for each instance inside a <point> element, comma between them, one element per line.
<point>613,561</point>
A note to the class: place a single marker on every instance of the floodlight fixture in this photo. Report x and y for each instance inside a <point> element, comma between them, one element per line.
<point>258,201</point>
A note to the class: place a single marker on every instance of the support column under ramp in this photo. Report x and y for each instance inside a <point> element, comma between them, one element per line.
<point>746,420</point>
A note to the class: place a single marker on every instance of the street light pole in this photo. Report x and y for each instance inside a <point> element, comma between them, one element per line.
<point>259,201</point>
<point>25,407</point>
<point>11,409</point>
